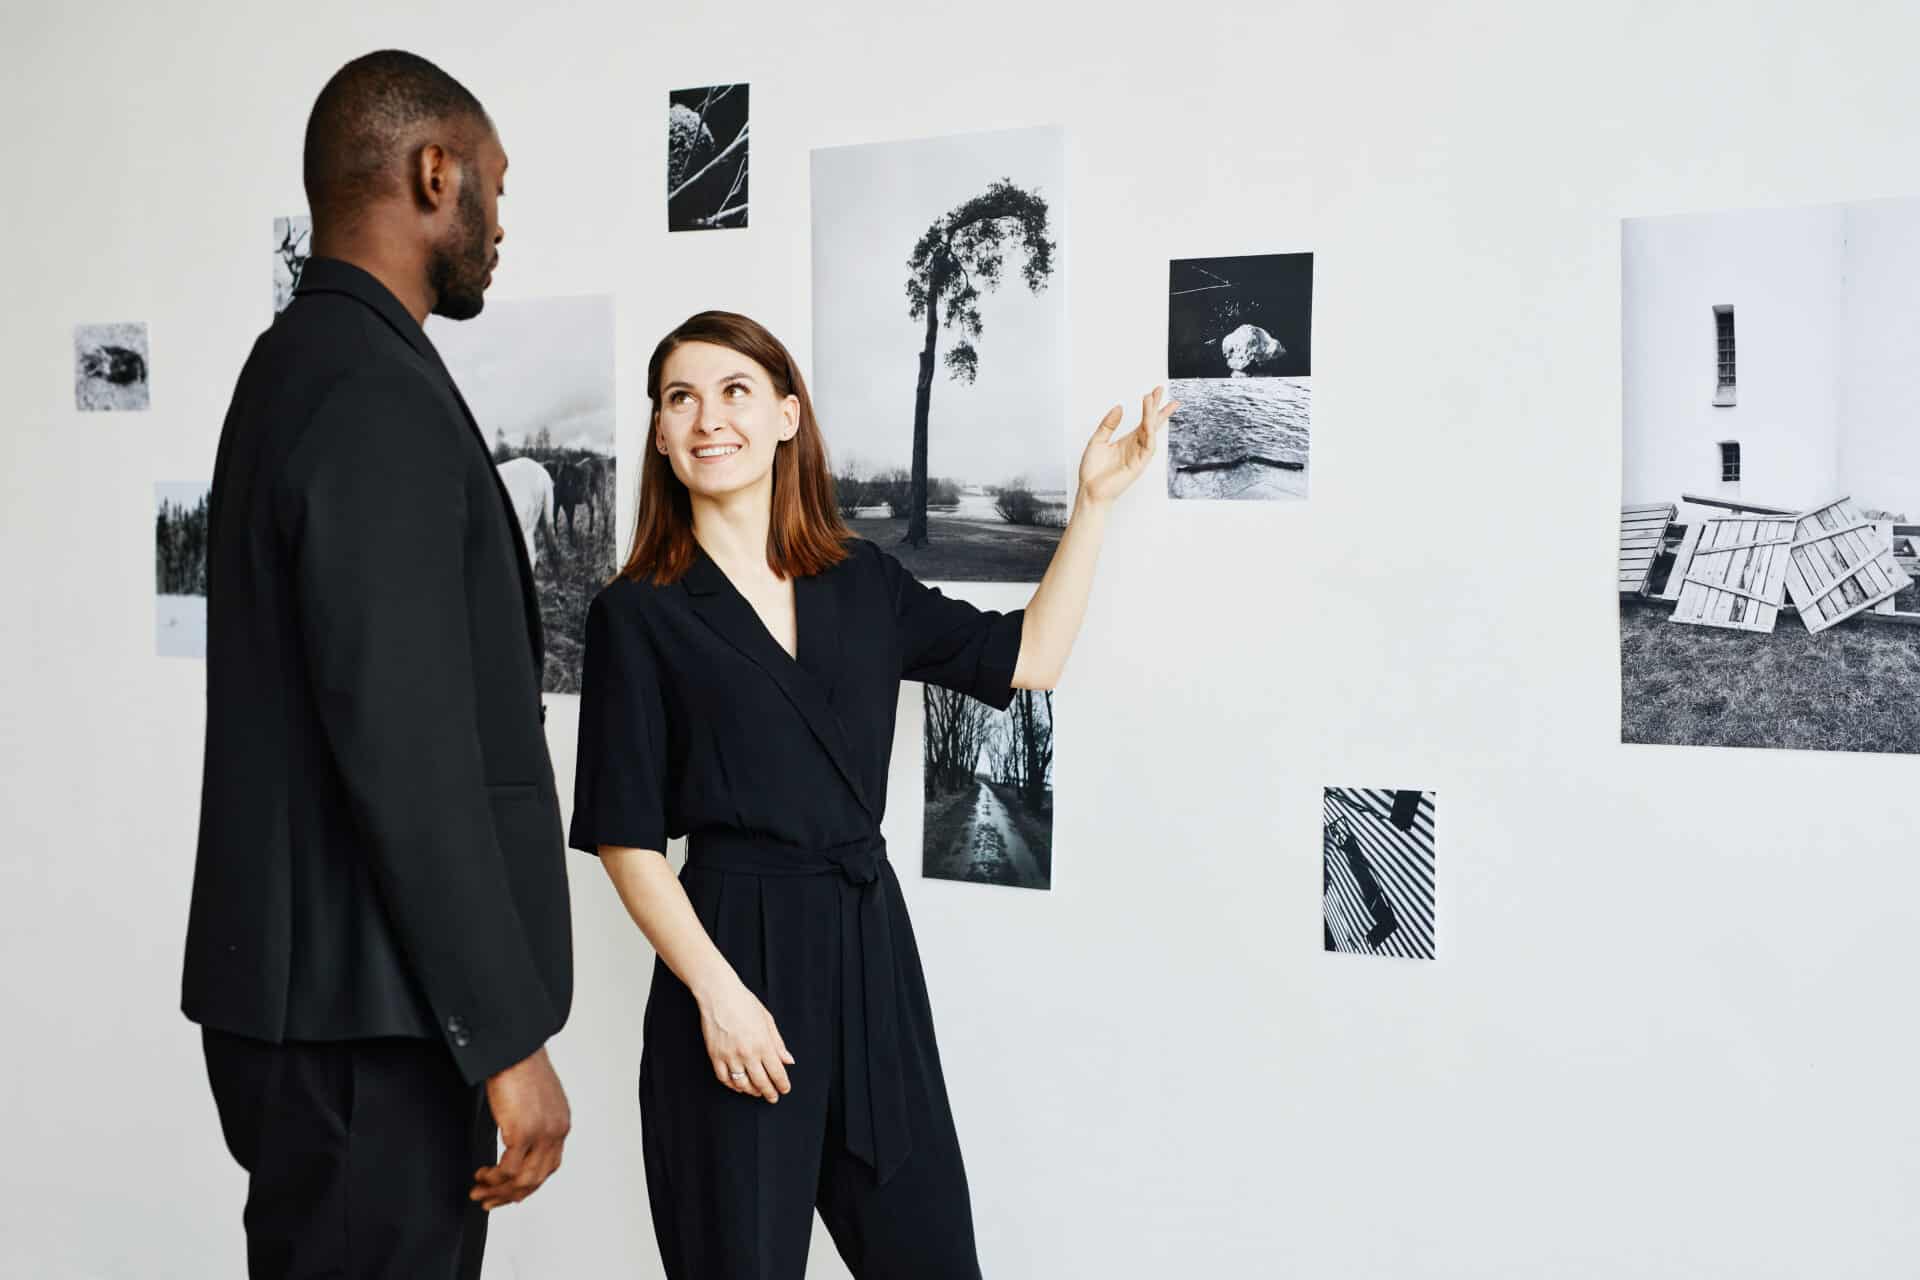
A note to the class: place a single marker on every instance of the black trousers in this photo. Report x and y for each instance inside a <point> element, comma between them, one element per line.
<point>359,1155</point>
<point>733,1181</point>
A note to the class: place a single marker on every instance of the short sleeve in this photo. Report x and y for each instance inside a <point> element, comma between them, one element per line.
<point>619,781</point>
<point>951,643</point>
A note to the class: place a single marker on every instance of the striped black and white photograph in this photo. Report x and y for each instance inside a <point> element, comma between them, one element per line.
<point>110,368</point>
<point>538,375</point>
<point>1769,537</point>
<point>1239,361</point>
<point>1378,884</point>
<point>180,568</point>
<point>707,148</point>
<point>989,789</point>
<point>940,348</point>
<point>292,246</point>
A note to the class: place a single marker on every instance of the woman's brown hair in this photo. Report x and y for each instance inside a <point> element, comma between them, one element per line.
<point>805,534</point>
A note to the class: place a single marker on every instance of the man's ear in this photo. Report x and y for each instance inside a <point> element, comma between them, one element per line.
<point>434,170</point>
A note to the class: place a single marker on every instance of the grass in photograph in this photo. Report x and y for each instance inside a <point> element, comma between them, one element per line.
<point>1855,687</point>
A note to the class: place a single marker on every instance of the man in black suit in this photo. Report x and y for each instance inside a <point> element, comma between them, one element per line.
<point>379,944</point>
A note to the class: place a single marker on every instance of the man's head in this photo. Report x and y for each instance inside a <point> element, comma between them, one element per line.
<point>401,157</point>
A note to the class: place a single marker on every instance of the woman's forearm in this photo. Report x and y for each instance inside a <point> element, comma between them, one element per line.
<point>658,903</point>
<point>1059,603</point>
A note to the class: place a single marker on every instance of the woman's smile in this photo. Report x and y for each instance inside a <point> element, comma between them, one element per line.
<point>715,452</point>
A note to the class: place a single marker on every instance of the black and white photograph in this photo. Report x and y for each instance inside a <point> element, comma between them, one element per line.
<point>180,568</point>
<point>1239,360</point>
<point>707,149</point>
<point>110,367</point>
<point>292,246</point>
<point>1769,535</point>
<point>538,375</point>
<point>1377,888</point>
<point>989,789</point>
<point>939,348</point>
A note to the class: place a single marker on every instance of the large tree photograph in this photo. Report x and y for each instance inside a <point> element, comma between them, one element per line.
<point>939,361</point>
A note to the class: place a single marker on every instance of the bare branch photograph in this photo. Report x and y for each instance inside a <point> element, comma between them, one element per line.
<point>707,150</point>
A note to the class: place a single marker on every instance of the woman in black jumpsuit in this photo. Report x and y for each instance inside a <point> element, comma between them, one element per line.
<point>789,1059</point>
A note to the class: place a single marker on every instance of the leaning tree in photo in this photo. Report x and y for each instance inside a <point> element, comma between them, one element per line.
<point>959,256</point>
<point>1022,757</point>
<point>957,728</point>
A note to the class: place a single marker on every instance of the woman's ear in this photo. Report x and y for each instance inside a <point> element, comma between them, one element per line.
<point>790,410</point>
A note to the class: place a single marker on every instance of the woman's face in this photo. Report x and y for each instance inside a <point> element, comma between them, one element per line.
<point>720,419</point>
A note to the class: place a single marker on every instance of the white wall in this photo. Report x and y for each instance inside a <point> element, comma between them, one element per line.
<point>1664,1036</point>
<point>1827,351</point>
<point>1784,273</point>
<point>1880,369</point>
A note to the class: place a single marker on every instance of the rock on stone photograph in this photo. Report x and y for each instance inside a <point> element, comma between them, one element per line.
<point>1239,360</point>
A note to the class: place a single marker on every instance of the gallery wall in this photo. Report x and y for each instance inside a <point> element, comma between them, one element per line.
<point>1661,1033</point>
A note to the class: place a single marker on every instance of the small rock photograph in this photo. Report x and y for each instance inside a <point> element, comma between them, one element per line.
<point>110,372</point>
<point>1239,360</point>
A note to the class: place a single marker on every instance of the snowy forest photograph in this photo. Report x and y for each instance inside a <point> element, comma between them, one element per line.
<point>940,355</point>
<point>180,568</point>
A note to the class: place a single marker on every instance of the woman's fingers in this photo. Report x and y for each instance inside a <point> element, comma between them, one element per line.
<point>757,1077</point>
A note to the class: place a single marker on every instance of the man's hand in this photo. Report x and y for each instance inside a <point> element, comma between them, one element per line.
<point>531,1109</point>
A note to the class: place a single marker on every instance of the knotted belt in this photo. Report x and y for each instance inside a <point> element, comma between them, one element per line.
<point>877,1128</point>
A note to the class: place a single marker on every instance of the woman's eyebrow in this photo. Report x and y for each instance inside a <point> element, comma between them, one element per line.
<point>742,376</point>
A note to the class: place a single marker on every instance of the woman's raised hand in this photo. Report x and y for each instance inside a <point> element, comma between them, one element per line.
<point>1109,466</point>
<point>744,1046</point>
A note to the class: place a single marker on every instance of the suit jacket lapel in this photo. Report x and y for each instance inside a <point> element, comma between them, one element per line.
<point>808,684</point>
<point>330,275</point>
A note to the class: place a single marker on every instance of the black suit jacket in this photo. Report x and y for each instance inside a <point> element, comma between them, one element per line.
<point>380,848</point>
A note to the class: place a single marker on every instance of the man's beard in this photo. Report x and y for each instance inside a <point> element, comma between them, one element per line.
<point>457,271</point>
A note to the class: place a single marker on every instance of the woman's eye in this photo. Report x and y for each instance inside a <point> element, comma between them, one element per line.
<point>741,387</point>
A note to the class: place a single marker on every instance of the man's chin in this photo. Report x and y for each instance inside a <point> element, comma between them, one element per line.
<point>465,307</point>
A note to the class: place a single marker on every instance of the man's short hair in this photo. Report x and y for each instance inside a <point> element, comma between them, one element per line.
<point>366,115</point>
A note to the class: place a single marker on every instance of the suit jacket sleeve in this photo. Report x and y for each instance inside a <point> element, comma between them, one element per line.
<point>951,643</point>
<point>375,507</point>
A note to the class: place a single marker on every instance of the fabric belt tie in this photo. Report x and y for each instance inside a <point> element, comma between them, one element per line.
<point>877,1127</point>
